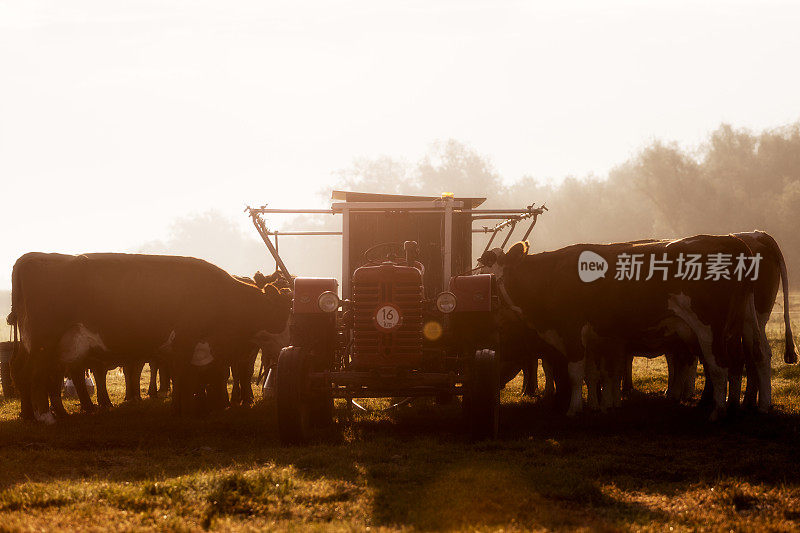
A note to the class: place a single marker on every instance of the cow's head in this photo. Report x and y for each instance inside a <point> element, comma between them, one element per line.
<point>495,261</point>
<point>273,311</point>
<point>276,278</point>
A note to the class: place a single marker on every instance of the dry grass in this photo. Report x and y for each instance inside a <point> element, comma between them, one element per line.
<point>650,465</point>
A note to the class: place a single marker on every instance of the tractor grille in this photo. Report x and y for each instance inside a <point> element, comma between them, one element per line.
<point>400,347</point>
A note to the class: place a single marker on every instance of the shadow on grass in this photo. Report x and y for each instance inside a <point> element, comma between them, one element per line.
<point>416,464</point>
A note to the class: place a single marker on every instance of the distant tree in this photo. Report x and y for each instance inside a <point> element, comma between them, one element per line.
<point>447,166</point>
<point>380,175</point>
<point>735,181</point>
<point>451,166</point>
<point>213,237</point>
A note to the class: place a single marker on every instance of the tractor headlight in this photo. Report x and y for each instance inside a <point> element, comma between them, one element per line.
<point>446,302</point>
<point>328,302</point>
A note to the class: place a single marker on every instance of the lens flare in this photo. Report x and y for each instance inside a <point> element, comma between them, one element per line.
<point>432,330</point>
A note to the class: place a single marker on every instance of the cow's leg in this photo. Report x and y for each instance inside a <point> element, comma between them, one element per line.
<point>707,396</point>
<point>751,391</point>
<point>757,349</point>
<point>627,382</point>
<point>763,359</point>
<point>592,379</point>
<point>682,373</point>
<point>734,386</point>
<point>673,388</point>
<point>236,388</point>
<point>689,379</point>
<point>576,371</point>
<point>159,379</point>
<point>686,374</point>
<point>563,385</point>
<point>20,373</point>
<point>100,373</point>
<point>611,368</point>
<point>269,382</point>
<point>194,363</point>
<point>218,395</point>
<point>247,379</point>
<point>530,376</point>
<point>618,371</point>
<point>186,384</point>
<point>40,381</point>
<point>78,377</point>
<point>54,386</point>
<point>164,376</point>
<point>177,388</point>
<point>549,377</point>
<point>152,388</point>
<point>217,389</point>
<point>718,377</point>
<point>133,378</point>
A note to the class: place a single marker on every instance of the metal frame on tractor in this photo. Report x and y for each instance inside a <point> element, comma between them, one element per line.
<point>440,344</point>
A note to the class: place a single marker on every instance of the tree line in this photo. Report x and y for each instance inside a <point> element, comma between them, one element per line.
<point>736,180</point>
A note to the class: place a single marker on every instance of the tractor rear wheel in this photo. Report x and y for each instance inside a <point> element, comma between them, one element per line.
<point>482,396</point>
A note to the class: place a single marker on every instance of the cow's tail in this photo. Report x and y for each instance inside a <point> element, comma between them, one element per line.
<point>789,356</point>
<point>15,346</point>
<point>16,296</point>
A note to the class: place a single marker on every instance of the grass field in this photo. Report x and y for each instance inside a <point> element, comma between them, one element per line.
<point>649,465</point>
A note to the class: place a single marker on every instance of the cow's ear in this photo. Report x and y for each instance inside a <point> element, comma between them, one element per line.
<point>260,279</point>
<point>516,252</point>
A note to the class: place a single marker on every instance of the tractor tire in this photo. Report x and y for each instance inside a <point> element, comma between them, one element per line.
<point>321,411</point>
<point>482,396</point>
<point>291,396</point>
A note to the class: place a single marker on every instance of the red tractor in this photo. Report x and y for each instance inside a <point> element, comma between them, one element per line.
<point>412,319</point>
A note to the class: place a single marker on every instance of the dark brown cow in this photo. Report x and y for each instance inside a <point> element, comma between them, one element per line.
<point>602,317</point>
<point>242,371</point>
<point>520,350</point>
<point>771,276</point>
<point>115,307</point>
<point>765,290</point>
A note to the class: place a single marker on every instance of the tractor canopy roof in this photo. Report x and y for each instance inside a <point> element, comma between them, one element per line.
<point>351,196</point>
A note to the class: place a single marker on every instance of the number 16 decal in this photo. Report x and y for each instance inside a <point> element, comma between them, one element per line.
<point>387,317</point>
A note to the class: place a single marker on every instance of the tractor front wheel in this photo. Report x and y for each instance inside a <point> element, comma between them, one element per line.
<point>482,396</point>
<point>291,395</point>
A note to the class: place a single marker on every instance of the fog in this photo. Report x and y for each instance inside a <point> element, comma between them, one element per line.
<point>735,180</point>
<point>148,126</point>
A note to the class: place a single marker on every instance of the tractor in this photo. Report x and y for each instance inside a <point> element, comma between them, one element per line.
<point>413,319</point>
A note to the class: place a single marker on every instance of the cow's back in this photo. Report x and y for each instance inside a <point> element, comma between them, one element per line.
<point>134,300</point>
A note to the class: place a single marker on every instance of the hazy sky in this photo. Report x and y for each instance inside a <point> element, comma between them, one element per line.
<point>117,117</point>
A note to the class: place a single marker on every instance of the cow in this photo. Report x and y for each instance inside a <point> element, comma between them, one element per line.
<point>243,369</point>
<point>519,350</point>
<point>159,384</point>
<point>577,317</point>
<point>115,307</point>
<point>771,276</point>
<point>132,372</point>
